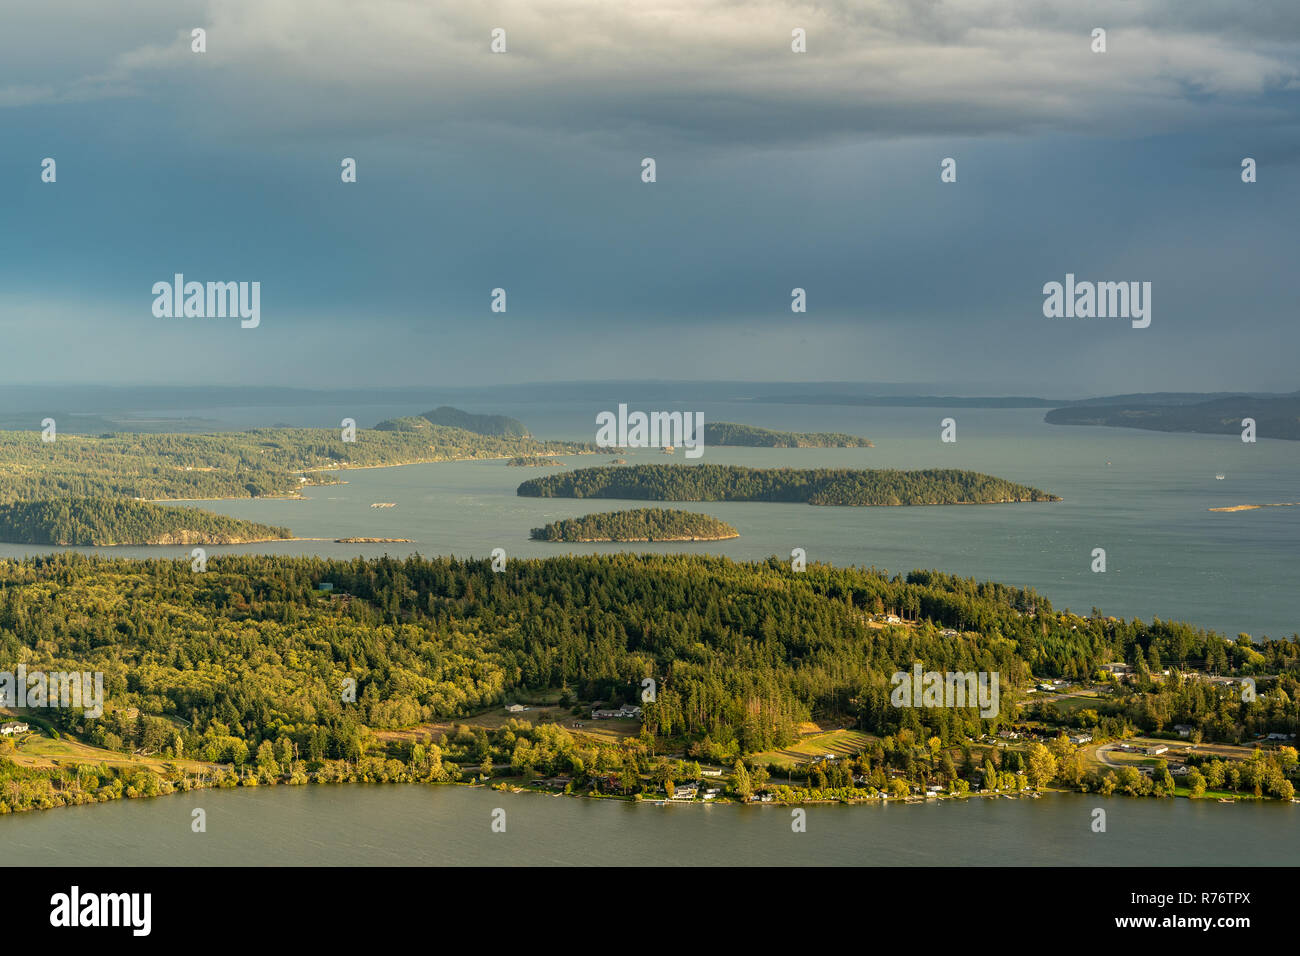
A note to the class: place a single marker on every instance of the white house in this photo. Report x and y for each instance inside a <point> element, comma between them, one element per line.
<point>515,708</point>
<point>13,727</point>
<point>626,711</point>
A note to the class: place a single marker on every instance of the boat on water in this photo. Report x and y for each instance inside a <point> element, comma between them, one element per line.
<point>1218,477</point>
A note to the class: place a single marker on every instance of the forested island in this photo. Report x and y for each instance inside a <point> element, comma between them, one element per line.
<point>638,524</point>
<point>108,521</point>
<point>822,486</point>
<point>242,675</point>
<point>534,461</point>
<point>749,436</point>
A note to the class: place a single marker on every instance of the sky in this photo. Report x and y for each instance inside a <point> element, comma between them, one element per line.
<point>775,170</point>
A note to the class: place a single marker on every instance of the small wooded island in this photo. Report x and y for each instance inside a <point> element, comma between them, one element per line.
<point>638,524</point>
<point>534,461</point>
<point>821,486</point>
<point>109,521</point>
<point>751,436</point>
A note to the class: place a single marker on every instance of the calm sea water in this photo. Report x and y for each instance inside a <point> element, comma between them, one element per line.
<point>1167,555</point>
<point>405,824</point>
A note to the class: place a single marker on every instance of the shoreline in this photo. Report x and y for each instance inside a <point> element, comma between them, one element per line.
<point>187,785</point>
<point>723,537</point>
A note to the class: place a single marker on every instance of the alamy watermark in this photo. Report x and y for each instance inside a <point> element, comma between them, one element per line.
<point>951,689</point>
<point>653,430</point>
<point>24,688</point>
<point>1101,300</point>
<point>214,300</point>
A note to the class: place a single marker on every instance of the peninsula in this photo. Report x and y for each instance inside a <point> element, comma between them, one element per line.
<point>772,684</point>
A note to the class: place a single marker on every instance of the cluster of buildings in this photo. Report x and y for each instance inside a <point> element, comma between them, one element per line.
<point>689,791</point>
<point>626,711</point>
<point>12,728</point>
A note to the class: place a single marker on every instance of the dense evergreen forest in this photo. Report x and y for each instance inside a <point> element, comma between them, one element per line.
<point>823,486</point>
<point>108,521</point>
<point>246,665</point>
<point>729,433</point>
<point>638,524</point>
<point>256,463</point>
<point>534,461</point>
<point>742,651</point>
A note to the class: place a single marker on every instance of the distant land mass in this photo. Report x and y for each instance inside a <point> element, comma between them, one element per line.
<point>638,524</point>
<point>1274,417</point>
<point>840,396</point>
<point>496,426</point>
<point>261,462</point>
<point>822,486</point>
<point>910,401</point>
<point>534,461</point>
<point>750,436</point>
<point>108,521</point>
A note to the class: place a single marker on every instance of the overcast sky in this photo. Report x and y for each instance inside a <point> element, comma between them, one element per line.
<point>775,170</point>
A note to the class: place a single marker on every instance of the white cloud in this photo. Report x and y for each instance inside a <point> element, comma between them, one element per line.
<point>716,71</point>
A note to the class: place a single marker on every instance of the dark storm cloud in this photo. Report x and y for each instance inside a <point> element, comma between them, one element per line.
<point>776,170</point>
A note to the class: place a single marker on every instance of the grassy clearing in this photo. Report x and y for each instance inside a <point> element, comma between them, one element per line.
<point>841,743</point>
<point>36,751</point>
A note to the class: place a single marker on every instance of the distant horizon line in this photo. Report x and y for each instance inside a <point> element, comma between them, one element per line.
<point>895,389</point>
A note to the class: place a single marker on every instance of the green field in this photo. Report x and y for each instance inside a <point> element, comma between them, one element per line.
<point>841,743</point>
